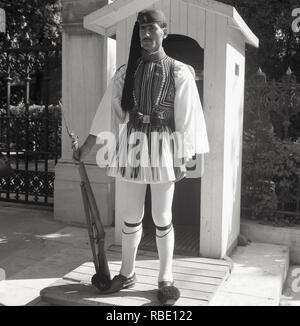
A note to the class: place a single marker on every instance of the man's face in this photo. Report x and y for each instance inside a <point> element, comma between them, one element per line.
<point>152,36</point>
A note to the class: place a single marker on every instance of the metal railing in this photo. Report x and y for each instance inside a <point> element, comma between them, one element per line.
<point>30,121</point>
<point>276,106</point>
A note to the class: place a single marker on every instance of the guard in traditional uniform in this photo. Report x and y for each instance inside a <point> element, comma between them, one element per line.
<point>153,109</point>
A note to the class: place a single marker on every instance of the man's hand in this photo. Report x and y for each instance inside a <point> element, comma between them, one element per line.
<point>76,156</point>
<point>81,153</point>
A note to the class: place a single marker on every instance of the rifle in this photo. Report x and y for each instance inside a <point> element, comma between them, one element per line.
<point>102,279</point>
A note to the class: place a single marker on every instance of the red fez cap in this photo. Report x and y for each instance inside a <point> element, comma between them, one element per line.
<point>150,16</point>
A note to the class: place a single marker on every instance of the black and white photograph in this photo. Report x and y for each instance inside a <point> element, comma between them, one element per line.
<point>149,155</point>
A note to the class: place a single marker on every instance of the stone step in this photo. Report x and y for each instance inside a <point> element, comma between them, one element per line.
<point>265,233</point>
<point>258,276</point>
<point>291,292</point>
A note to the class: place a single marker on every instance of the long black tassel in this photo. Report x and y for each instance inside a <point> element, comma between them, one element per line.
<point>127,102</point>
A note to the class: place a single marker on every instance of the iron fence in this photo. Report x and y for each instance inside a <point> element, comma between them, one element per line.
<point>30,122</point>
<point>273,110</point>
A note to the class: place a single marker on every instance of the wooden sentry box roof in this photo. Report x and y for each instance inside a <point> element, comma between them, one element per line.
<point>104,20</point>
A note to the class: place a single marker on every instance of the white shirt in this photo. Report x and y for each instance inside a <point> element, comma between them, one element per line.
<point>188,114</point>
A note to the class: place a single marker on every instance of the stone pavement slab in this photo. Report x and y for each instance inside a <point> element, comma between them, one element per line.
<point>36,250</point>
<point>14,295</point>
<point>22,227</point>
<point>257,279</point>
<point>291,292</point>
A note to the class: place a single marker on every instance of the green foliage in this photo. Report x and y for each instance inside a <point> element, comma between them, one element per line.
<point>271,21</point>
<point>34,25</point>
<point>32,22</point>
<point>270,172</point>
<point>37,120</point>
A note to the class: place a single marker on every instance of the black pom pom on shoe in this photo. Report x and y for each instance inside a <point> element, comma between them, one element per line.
<point>167,294</point>
<point>101,282</point>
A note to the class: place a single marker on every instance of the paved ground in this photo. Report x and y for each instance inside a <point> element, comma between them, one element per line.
<point>35,251</point>
<point>291,291</point>
<point>257,277</point>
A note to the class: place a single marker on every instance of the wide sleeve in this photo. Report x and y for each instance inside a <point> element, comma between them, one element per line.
<point>189,118</point>
<point>109,114</point>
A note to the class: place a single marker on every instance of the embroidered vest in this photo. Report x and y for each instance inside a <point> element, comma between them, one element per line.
<point>154,88</point>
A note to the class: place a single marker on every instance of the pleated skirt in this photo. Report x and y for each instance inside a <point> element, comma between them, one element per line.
<point>146,155</point>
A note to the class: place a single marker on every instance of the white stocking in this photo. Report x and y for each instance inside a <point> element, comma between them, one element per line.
<point>131,238</point>
<point>132,208</point>
<point>165,248</point>
<point>162,199</point>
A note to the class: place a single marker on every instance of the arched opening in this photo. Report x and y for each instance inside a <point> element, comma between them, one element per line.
<point>186,204</point>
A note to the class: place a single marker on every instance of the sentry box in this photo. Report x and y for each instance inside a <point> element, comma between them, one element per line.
<point>208,35</point>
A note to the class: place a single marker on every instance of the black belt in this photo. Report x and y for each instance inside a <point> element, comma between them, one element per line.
<point>139,119</point>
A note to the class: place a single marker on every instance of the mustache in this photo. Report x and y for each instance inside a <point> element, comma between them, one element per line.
<point>146,39</point>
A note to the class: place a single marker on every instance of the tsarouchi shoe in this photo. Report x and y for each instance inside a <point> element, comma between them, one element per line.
<point>120,282</point>
<point>167,293</point>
